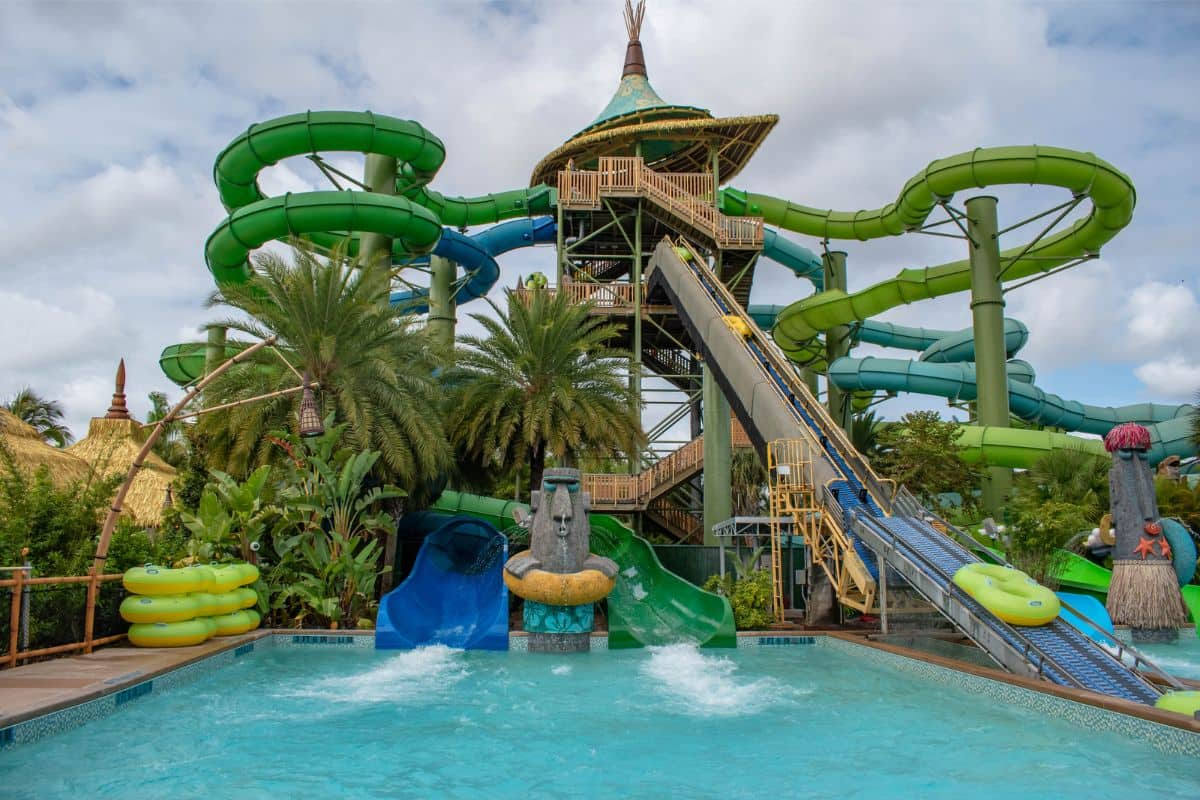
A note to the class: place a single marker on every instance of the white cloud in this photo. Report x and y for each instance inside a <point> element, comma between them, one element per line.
<point>106,148</point>
<point>1171,378</point>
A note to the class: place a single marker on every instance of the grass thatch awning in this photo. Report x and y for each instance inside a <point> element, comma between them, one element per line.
<point>29,452</point>
<point>110,447</point>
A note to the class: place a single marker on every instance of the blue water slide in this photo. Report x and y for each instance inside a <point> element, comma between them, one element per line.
<point>800,260</point>
<point>1093,610</point>
<point>476,255</point>
<point>454,595</point>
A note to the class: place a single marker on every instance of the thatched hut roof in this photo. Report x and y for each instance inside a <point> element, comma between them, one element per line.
<point>110,447</point>
<point>112,443</point>
<point>29,452</point>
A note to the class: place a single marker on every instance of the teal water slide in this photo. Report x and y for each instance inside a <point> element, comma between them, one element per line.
<point>649,605</point>
<point>943,369</point>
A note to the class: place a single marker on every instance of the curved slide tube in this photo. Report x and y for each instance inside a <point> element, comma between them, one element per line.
<point>650,605</point>
<point>1170,426</point>
<point>414,217</point>
<point>798,325</point>
<point>455,594</point>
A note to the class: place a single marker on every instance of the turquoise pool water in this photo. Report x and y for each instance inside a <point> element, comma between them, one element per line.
<point>798,721</point>
<point>1181,658</point>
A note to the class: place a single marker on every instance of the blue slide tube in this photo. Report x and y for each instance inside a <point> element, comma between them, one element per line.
<point>476,255</point>
<point>455,594</point>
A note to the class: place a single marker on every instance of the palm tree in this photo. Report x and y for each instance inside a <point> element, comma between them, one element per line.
<point>375,372</point>
<point>46,416</point>
<point>172,445</point>
<point>864,433</point>
<point>749,483</point>
<point>542,383</point>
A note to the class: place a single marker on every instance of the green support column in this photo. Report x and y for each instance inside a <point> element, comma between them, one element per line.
<point>214,351</point>
<point>441,304</point>
<point>379,173</point>
<point>987,314</point>
<point>718,456</point>
<point>837,340</point>
<point>809,376</point>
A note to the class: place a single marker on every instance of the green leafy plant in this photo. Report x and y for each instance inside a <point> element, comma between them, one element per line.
<point>748,589</point>
<point>232,514</point>
<point>922,453</point>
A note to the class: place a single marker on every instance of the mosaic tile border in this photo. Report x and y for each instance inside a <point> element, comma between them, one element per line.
<point>520,644</point>
<point>1163,738</point>
<point>286,639</point>
<point>776,641</point>
<point>66,719</point>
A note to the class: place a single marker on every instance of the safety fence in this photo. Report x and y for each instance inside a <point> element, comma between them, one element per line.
<point>55,615</point>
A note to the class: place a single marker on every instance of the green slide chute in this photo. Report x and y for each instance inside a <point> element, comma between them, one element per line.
<point>1110,191</point>
<point>650,605</point>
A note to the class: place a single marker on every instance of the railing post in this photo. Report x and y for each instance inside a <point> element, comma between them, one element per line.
<point>89,623</point>
<point>14,616</point>
<point>28,572</point>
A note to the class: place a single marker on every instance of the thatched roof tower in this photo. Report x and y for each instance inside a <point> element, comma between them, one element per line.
<point>29,452</point>
<point>111,445</point>
<point>671,138</point>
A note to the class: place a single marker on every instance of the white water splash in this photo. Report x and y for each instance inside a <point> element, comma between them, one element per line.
<point>639,593</point>
<point>424,674</point>
<point>561,669</point>
<point>708,686</point>
<point>631,572</point>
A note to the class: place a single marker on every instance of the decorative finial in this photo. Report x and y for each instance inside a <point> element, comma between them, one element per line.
<point>635,60</point>
<point>118,410</point>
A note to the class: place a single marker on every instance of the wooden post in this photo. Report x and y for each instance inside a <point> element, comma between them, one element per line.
<point>89,621</point>
<point>14,616</point>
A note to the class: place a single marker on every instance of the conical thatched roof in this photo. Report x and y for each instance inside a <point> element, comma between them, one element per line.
<point>670,137</point>
<point>112,443</point>
<point>110,447</point>
<point>29,452</point>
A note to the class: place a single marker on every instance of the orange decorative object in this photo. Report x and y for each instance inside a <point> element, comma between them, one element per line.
<point>1164,547</point>
<point>1152,528</point>
<point>1145,547</point>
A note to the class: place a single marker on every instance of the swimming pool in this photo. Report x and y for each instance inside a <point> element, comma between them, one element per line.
<point>1180,658</point>
<point>669,722</point>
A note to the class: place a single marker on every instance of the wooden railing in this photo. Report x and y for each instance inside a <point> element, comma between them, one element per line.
<point>615,492</point>
<point>687,196</point>
<point>606,296</point>
<point>689,525</point>
<point>19,582</point>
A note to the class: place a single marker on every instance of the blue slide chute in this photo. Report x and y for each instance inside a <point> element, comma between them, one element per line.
<point>454,596</point>
<point>476,255</point>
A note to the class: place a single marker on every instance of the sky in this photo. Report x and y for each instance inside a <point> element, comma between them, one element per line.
<point>111,116</point>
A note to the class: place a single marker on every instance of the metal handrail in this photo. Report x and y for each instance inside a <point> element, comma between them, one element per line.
<point>967,541</point>
<point>866,520</point>
<point>861,469</point>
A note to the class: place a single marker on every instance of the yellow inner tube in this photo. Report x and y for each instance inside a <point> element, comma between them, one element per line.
<point>170,634</point>
<point>162,608</point>
<point>152,580</point>
<point>1008,593</point>
<point>553,589</point>
<point>1181,702</point>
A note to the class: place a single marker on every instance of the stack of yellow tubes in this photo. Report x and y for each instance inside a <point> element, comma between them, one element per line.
<point>182,607</point>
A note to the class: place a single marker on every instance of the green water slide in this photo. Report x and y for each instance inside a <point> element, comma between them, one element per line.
<point>1086,176</point>
<point>650,605</point>
<point>414,216</point>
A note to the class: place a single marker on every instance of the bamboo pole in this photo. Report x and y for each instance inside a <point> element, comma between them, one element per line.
<point>110,521</point>
<point>89,618</point>
<point>14,617</point>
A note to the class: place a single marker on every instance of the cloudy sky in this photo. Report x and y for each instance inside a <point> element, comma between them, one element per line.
<point>111,116</point>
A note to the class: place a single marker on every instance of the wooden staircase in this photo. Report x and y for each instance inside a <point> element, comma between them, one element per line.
<point>617,493</point>
<point>686,197</point>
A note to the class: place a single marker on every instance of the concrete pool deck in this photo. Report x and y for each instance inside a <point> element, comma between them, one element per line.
<point>34,690</point>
